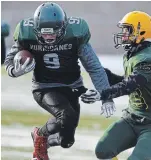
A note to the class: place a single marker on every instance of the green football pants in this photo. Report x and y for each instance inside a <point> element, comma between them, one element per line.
<point>124,134</point>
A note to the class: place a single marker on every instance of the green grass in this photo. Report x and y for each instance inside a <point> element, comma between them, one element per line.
<point>30,118</point>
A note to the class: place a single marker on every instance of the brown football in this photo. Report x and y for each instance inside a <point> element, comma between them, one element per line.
<point>24,55</point>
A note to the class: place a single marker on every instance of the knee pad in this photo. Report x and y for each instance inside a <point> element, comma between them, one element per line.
<point>104,153</point>
<point>65,144</point>
<point>60,139</point>
<point>67,137</point>
<point>110,159</point>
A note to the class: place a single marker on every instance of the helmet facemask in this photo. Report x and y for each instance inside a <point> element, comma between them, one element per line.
<point>50,36</point>
<point>126,38</point>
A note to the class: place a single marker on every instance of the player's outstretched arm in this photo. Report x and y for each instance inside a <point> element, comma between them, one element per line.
<point>136,80</point>
<point>112,77</point>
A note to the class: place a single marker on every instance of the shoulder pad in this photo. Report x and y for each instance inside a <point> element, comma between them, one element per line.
<point>143,56</point>
<point>78,27</point>
<point>24,30</point>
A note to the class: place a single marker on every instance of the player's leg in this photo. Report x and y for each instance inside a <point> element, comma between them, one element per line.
<point>67,134</point>
<point>142,149</point>
<point>59,106</point>
<point>63,138</point>
<point>65,117</point>
<point>117,138</point>
<point>40,141</point>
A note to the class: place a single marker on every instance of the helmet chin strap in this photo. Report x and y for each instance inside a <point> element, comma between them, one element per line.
<point>126,47</point>
<point>137,32</point>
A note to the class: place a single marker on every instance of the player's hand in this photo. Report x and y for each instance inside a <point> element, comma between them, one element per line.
<point>90,96</point>
<point>20,69</point>
<point>108,108</point>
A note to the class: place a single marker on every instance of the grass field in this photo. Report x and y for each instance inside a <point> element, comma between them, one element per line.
<point>30,118</point>
<point>17,143</point>
<point>17,125</point>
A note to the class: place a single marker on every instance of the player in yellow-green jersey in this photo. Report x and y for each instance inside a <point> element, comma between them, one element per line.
<point>134,128</point>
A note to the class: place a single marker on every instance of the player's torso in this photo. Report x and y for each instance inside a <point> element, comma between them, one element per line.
<point>140,100</point>
<point>57,63</point>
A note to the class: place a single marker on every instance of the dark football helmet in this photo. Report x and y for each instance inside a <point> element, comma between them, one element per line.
<point>50,23</point>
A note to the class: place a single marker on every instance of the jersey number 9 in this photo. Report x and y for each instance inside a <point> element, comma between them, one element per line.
<point>52,60</point>
<point>73,20</point>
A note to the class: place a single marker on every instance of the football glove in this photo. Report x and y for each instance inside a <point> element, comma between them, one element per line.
<point>90,96</point>
<point>20,69</point>
<point>108,108</point>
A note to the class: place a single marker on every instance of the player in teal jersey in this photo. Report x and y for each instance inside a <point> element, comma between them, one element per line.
<point>134,129</point>
<point>57,42</point>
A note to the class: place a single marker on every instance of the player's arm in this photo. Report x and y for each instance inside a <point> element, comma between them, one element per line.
<point>93,66</point>
<point>138,79</point>
<point>98,76</point>
<point>112,77</point>
<point>97,73</point>
<point>15,68</point>
<point>90,61</point>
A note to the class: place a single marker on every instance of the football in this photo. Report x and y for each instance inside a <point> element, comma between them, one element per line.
<point>24,54</point>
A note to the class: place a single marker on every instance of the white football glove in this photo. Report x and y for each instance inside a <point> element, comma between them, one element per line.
<point>108,108</point>
<point>20,69</point>
<point>90,96</point>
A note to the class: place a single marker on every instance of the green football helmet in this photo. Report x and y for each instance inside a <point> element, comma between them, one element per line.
<point>50,23</point>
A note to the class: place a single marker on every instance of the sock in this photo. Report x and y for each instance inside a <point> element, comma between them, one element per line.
<point>51,127</point>
<point>43,131</point>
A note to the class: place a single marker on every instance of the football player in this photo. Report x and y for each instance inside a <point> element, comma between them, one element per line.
<point>134,128</point>
<point>57,42</point>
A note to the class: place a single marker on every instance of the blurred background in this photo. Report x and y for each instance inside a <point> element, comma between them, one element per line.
<point>17,102</point>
